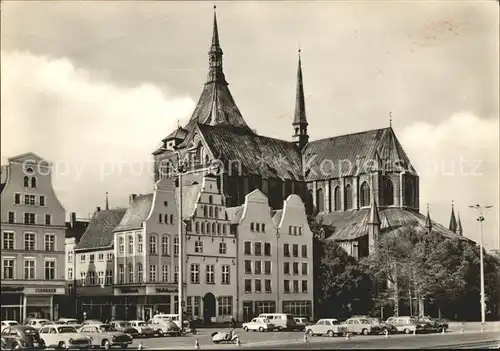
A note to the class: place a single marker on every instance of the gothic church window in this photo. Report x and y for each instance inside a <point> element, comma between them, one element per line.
<point>216,212</point>
<point>214,228</point>
<point>348,197</point>
<point>320,200</point>
<point>365,194</point>
<point>409,193</point>
<point>208,228</point>
<point>388,191</point>
<point>210,199</point>
<point>26,181</point>
<point>336,196</point>
<point>33,182</point>
<point>202,228</point>
<point>205,212</point>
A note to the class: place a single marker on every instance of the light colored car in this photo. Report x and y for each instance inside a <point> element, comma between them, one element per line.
<point>329,326</point>
<point>142,328</point>
<point>173,317</point>
<point>63,337</point>
<point>358,325</point>
<point>70,321</point>
<point>282,321</point>
<point>260,324</point>
<point>164,327</point>
<point>37,323</point>
<point>407,325</point>
<point>9,323</point>
<point>91,321</point>
<point>103,335</point>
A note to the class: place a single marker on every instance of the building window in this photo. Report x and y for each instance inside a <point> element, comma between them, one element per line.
<point>12,217</point>
<point>83,278</point>
<point>214,228</point>
<point>26,181</point>
<point>130,270</point>
<point>295,250</point>
<point>267,286</point>
<point>304,268</point>
<point>222,248</point>
<point>109,256</point>
<point>202,227</point>
<point>140,276</point>
<point>8,269</point>
<point>42,200</point>
<point>121,241</point>
<point>8,241</point>
<point>100,278</point>
<point>171,219</point>
<point>17,198</point>
<point>286,250</point>
<point>210,212</point>
<point>50,270</point>
<point>29,270</point>
<point>304,286</point>
<point>196,307</point>
<point>248,267</point>
<point>295,286</point>
<point>336,196</point>
<point>225,305</point>
<point>164,245</point>
<point>152,245</point>
<point>304,251</point>
<point>248,285</point>
<point>48,219</point>
<point>91,278</point>
<point>208,228</point>
<point>263,227</point>
<point>33,182</point>
<point>176,246</point>
<point>348,197</point>
<point>109,277</point>
<point>295,268</point>
<point>216,212</point>
<point>198,246</point>
<point>29,218</point>
<point>164,273</point>
<point>248,248</point>
<point>320,200</point>
<point>70,256</point>
<point>82,258</point>
<point>365,194</point>
<point>29,200</point>
<point>189,306</point>
<point>267,267</point>
<point>91,258</point>
<point>257,227</point>
<point>205,212</point>
<point>286,286</point>
<point>70,273</point>
<point>160,218</point>
<point>224,229</point>
<point>195,274</point>
<point>121,274</point>
<point>100,257</point>
<point>258,249</point>
<point>409,193</point>
<point>265,307</point>
<point>197,227</point>
<point>258,286</point>
<point>226,274</point>
<point>29,241</point>
<point>387,191</point>
<point>50,242</point>
<point>286,268</point>
<point>176,274</point>
<point>152,273</point>
<point>297,308</point>
<point>267,249</point>
<point>210,274</point>
<point>139,243</point>
<point>257,267</point>
<point>130,245</point>
<point>252,226</point>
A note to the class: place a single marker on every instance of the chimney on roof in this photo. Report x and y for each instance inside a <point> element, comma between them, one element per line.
<point>98,209</point>
<point>131,198</point>
<point>72,219</point>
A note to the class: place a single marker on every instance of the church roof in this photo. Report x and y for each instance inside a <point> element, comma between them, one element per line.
<point>99,233</point>
<point>350,154</point>
<point>350,225</point>
<point>137,212</point>
<point>179,133</point>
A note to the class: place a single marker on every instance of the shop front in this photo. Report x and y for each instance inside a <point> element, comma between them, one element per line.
<point>12,303</point>
<point>39,302</point>
<point>128,299</point>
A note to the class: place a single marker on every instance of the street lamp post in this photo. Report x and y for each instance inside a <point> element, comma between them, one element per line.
<point>480,219</point>
<point>180,278</point>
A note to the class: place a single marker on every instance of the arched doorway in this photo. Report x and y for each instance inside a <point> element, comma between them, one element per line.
<point>208,307</point>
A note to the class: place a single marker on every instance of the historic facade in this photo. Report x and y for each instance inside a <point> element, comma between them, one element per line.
<point>33,231</point>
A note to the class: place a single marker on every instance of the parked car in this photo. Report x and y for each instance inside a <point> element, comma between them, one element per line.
<point>37,323</point>
<point>124,327</point>
<point>142,328</point>
<point>282,321</point>
<point>381,327</point>
<point>358,325</point>
<point>163,327</point>
<point>64,337</point>
<point>172,317</point>
<point>91,321</point>
<point>434,324</point>
<point>260,324</point>
<point>408,325</point>
<point>70,321</point>
<point>21,337</point>
<point>103,335</point>
<point>9,323</point>
<point>328,326</point>
<point>301,323</point>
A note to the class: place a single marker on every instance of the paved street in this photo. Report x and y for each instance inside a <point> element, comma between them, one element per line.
<point>471,338</point>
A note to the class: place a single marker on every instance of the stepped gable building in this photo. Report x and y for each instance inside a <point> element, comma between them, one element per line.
<point>338,178</point>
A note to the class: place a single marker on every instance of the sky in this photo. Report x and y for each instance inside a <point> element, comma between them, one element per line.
<point>94,86</point>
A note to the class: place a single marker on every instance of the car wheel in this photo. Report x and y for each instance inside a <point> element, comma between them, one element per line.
<point>159,332</point>
<point>385,331</point>
<point>245,328</point>
<point>124,346</point>
<point>279,329</point>
<point>310,332</point>
<point>16,347</point>
<point>365,332</point>
<point>330,333</point>
<point>407,331</point>
<point>62,345</point>
<point>106,345</point>
<point>261,329</point>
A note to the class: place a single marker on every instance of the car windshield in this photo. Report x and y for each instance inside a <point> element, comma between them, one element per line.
<point>364,321</point>
<point>66,329</point>
<point>265,320</point>
<point>30,331</point>
<point>141,324</point>
<point>106,328</point>
<point>122,324</point>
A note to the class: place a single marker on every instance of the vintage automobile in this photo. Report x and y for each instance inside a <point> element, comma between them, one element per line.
<point>91,321</point>
<point>408,325</point>
<point>358,325</point>
<point>10,323</point>
<point>381,327</point>
<point>260,324</point>
<point>301,323</point>
<point>37,323</point>
<point>103,335</point>
<point>224,337</point>
<point>142,328</point>
<point>163,327</point>
<point>70,321</point>
<point>63,336</point>
<point>328,326</point>
<point>434,324</point>
<point>124,327</point>
<point>21,337</point>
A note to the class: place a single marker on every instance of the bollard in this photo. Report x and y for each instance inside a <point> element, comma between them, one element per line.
<point>442,331</point>
<point>347,337</point>
<point>462,330</point>
<point>482,329</point>
<point>196,344</point>
<point>140,347</point>
<point>386,332</point>
<point>414,331</point>
<point>305,337</point>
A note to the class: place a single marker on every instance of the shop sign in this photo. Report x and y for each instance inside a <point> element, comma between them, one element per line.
<point>161,290</point>
<point>45,291</point>
<point>129,291</point>
<point>12,289</point>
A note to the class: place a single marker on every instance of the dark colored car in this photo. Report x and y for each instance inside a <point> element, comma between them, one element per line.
<point>380,326</point>
<point>436,324</point>
<point>21,337</point>
<point>122,326</point>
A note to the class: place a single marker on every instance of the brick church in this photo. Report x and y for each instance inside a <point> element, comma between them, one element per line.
<point>360,183</point>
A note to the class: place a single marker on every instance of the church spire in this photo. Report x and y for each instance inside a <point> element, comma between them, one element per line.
<point>215,73</point>
<point>453,219</point>
<point>428,222</point>
<point>300,136</point>
<point>460,230</point>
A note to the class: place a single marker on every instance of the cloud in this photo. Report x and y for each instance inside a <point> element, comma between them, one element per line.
<point>457,159</point>
<point>99,135</point>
